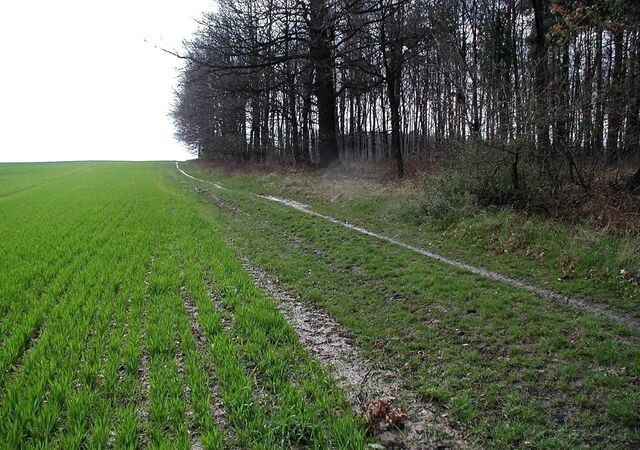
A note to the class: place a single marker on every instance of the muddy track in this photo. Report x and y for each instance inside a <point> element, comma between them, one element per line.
<point>577,302</point>
<point>362,381</point>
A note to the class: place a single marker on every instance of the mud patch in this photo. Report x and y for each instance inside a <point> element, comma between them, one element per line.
<point>363,382</point>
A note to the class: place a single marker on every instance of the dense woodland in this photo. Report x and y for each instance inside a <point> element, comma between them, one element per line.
<point>510,86</point>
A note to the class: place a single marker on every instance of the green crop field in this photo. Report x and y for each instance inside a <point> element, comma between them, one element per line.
<point>126,322</point>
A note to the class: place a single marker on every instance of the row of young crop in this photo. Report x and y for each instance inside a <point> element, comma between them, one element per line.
<point>60,391</point>
<point>103,352</point>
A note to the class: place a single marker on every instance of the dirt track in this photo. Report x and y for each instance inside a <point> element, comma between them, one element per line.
<point>364,384</point>
<point>579,303</point>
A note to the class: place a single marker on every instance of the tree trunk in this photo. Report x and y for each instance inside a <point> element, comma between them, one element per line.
<point>615,113</point>
<point>304,156</point>
<point>598,133</point>
<point>255,127</point>
<point>392,62</point>
<point>632,133</point>
<point>540,65</point>
<point>320,33</point>
<point>393,91</point>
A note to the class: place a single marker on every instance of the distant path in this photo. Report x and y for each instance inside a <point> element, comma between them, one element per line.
<point>581,303</point>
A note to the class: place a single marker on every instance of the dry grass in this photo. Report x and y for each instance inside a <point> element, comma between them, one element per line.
<point>605,206</point>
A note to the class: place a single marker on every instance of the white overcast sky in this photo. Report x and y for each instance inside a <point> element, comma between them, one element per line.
<point>78,81</point>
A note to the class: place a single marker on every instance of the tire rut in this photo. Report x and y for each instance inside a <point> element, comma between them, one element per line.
<point>362,381</point>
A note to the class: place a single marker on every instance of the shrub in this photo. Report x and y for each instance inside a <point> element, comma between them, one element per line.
<point>498,173</point>
<point>443,201</point>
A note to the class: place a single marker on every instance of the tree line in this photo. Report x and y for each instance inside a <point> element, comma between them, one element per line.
<point>551,86</point>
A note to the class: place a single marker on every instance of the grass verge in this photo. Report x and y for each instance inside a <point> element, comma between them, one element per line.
<point>516,370</point>
<point>571,258</point>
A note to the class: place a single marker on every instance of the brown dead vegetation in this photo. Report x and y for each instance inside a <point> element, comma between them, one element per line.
<point>607,205</point>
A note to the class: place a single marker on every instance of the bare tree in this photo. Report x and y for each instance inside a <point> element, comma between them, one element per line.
<point>552,84</point>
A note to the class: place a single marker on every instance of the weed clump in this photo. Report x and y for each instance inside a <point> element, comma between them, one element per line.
<point>443,202</point>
